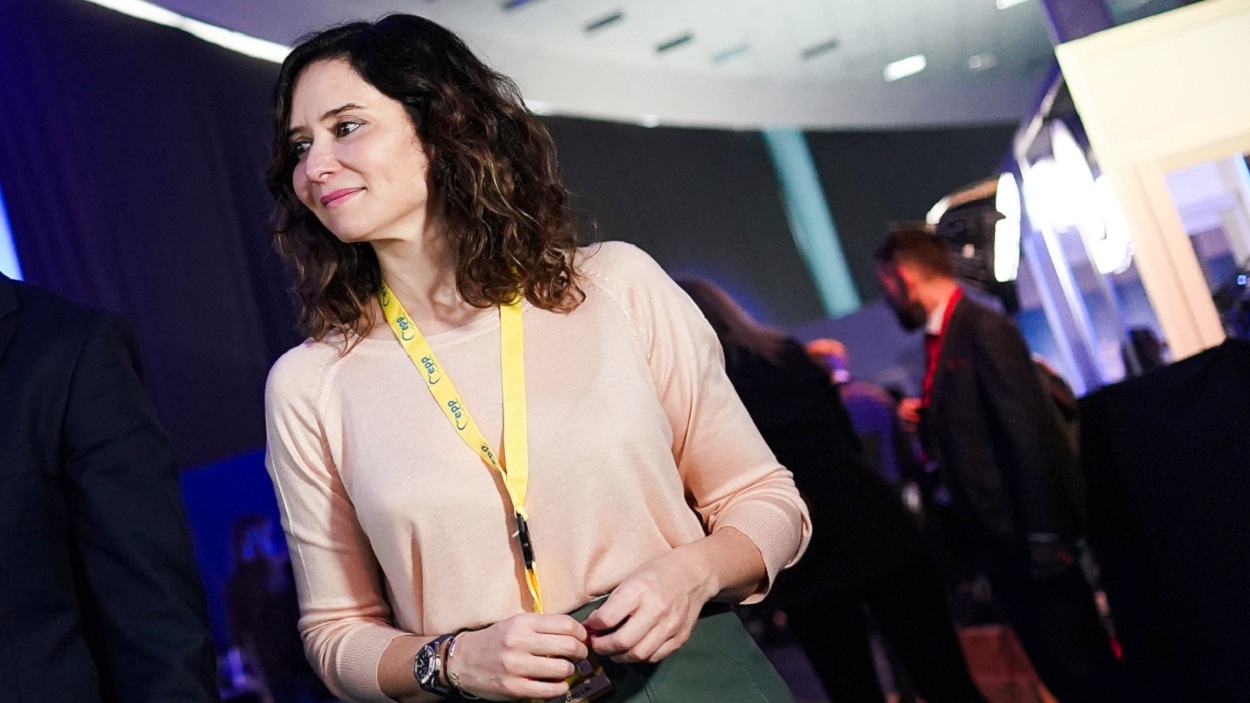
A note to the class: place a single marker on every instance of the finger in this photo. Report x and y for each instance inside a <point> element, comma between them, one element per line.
<point>667,648</point>
<point>542,690</point>
<point>539,668</point>
<point>626,636</point>
<point>616,608</point>
<point>562,646</point>
<point>558,625</point>
<point>647,646</point>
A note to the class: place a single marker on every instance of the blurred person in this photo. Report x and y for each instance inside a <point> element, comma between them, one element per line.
<point>590,484</point>
<point>991,427</point>
<point>873,412</point>
<point>865,551</point>
<point>100,596</point>
<point>264,614</point>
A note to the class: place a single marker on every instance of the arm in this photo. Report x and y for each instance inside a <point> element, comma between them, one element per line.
<point>756,522</point>
<point>345,618</point>
<point>123,501</point>
<point>1026,427</point>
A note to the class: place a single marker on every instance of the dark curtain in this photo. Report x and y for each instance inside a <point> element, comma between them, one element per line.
<point>701,201</point>
<point>874,178</point>
<point>132,164</point>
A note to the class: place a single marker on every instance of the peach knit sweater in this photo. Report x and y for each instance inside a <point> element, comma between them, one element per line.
<point>638,444</point>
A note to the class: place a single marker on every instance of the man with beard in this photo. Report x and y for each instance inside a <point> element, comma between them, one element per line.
<point>996,437</point>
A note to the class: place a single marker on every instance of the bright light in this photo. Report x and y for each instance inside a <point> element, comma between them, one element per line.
<point>235,41</point>
<point>903,68</point>
<point>1042,191</point>
<point>939,208</point>
<point>1079,208</point>
<point>1113,252</point>
<point>1007,230</point>
<point>9,264</point>
<point>1004,4</point>
<point>649,120</point>
<point>540,107</point>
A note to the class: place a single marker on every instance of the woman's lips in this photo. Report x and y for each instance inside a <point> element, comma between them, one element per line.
<point>335,197</point>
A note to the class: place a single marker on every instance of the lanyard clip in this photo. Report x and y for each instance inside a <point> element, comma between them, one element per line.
<point>523,536</point>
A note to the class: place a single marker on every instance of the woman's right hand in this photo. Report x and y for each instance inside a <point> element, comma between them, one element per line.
<point>526,656</point>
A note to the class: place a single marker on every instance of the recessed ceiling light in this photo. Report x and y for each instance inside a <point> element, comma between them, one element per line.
<point>600,23</point>
<point>815,50</point>
<point>903,68</point>
<point>673,43</point>
<point>728,53</point>
<point>981,62</point>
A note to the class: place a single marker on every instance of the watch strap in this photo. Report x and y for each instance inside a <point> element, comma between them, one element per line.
<point>428,664</point>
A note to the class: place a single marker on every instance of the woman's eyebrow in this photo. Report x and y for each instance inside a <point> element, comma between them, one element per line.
<point>328,114</point>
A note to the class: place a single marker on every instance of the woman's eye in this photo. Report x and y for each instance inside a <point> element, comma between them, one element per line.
<point>345,128</point>
<point>300,147</point>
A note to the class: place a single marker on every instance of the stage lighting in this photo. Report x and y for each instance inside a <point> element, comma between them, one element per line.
<point>1007,229</point>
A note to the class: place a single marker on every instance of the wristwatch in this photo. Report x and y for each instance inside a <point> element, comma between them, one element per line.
<point>428,666</point>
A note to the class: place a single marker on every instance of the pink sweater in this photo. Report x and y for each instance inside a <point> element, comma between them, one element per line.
<point>638,444</point>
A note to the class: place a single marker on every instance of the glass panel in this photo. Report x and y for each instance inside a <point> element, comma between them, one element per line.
<point>1213,200</point>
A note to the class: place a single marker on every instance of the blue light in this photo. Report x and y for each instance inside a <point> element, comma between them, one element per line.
<point>9,265</point>
<point>1242,279</point>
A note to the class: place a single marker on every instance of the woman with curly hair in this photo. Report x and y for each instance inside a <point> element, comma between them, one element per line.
<point>569,517</point>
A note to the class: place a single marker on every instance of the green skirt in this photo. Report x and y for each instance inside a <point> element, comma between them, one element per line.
<point>719,662</point>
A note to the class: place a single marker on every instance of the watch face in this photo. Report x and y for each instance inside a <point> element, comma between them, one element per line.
<point>427,670</point>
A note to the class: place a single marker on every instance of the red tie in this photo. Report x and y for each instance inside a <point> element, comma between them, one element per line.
<point>932,349</point>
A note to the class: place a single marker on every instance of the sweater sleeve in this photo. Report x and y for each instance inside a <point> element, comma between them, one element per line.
<point>344,616</point>
<point>730,475</point>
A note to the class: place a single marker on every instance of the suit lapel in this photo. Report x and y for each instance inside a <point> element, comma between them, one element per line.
<point>954,335</point>
<point>8,312</point>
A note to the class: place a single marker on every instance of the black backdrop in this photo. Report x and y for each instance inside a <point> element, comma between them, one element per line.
<point>874,178</point>
<point>131,165</point>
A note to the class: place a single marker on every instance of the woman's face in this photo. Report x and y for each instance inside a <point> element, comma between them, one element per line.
<point>360,167</point>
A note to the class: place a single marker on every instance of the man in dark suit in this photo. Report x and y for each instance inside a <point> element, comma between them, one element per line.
<point>996,436</point>
<point>100,598</point>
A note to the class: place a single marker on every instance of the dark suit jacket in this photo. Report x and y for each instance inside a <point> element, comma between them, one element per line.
<point>860,530</point>
<point>100,598</point>
<point>997,435</point>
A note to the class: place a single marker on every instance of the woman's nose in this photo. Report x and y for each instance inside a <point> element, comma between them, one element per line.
<point>320,162</point>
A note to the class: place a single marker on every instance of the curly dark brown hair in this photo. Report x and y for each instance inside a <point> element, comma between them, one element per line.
<point>492,169</point>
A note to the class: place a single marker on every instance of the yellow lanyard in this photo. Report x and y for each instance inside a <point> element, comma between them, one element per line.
<point>512,355</point>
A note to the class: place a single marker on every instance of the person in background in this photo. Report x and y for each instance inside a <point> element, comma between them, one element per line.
<point>865,550</point>
<point>264,614</point>
<point>497,452</point>
<point>874,415</point>
<point>100,596</point>
<point>997,438</point>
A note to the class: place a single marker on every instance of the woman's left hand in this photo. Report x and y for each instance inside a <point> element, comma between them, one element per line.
<point>651,614</point>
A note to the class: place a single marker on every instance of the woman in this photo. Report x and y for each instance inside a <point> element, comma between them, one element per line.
<point>419,205</point>
<point>867,552</point>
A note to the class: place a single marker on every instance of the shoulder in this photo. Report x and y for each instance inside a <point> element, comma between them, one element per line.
<point>617,264</point>
<point>985,321</point>
<point>300,373</point>
<point>56,327</point>
<point>40,308</point>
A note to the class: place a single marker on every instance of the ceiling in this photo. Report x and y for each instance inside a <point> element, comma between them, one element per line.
<point>745,63</point>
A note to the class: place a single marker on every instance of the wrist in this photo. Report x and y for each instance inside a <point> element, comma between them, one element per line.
<point>700,570</point>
